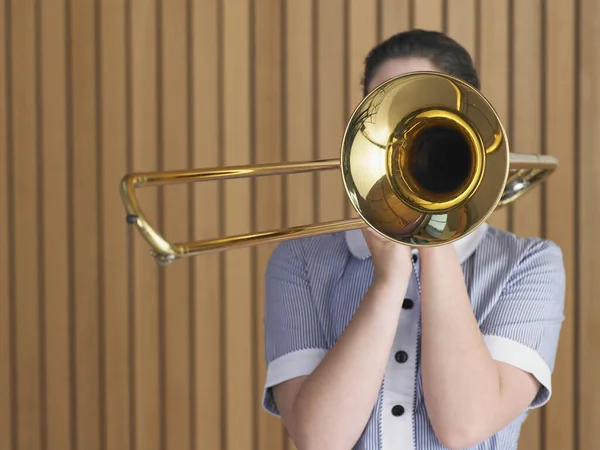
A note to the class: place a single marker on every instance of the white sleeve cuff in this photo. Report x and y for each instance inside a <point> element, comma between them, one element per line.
<point>291,365</point>
<point>525,358</point>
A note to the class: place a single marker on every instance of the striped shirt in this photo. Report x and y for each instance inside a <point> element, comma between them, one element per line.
<point>314,286</point>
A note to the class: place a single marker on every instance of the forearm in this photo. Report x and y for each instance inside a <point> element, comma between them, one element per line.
<point>461,382</point>
<point>336,400</point>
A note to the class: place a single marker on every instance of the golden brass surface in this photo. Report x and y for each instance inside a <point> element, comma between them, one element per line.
<point>424,161</point>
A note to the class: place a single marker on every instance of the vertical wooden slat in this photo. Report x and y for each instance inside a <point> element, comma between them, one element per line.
<point>362,31</point>
<point>238,281</point>
<point>524,128</point>
<point>6,419</point>
<point>84,209</point>
<point>41,241</point>
<point>300,85</point>
<point>331,114</point>
<point>113,235</point>
<point>54,207</point>
<point>559,109</point>
<point>25,218</point>
<point>175,221</point>
<point>429,14</point>
<point>494,71</point>
<point>394,17</point>
<point>131,363</point>
<point>525,123</point>
<point>362,36</point>
<point>461,24</point>
<point>588,268</point>
<point>148,408</point>
<point>269,43</point>
<point>208,289</point>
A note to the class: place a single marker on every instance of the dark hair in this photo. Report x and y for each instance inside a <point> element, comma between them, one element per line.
<point>442,51</point>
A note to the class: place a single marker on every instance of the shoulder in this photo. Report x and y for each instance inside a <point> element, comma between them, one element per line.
<point>521,278</point>
<point>323,246</point>
<point>513,243</point>
<point>312,253</point>
<point>511,272</point>
<point>517,254</point>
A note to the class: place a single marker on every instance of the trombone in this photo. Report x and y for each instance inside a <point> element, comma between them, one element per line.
<point>424,161</point>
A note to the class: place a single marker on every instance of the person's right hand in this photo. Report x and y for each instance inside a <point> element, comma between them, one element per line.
<point>391,261</point>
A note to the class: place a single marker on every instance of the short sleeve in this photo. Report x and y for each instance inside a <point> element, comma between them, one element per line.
<point>294,338</point>
<point>524,326</point>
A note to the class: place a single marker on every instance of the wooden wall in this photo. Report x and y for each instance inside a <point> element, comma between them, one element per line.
<point>100,349</point>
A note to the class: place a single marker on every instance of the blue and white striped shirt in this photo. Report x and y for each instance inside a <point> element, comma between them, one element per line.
<point>314,286</point>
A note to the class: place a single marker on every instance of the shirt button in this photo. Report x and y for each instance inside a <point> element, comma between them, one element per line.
<point>408,303</point>
<point>401,356</point>
<point>397,410</point>
<point>414,258</point>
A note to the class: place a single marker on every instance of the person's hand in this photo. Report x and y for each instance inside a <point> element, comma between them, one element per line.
<point>391,261</point>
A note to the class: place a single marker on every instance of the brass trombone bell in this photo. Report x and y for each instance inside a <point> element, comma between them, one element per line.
<point>424,161</point>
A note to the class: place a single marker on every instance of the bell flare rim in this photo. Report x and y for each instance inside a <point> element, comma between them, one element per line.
<point>434,227</point>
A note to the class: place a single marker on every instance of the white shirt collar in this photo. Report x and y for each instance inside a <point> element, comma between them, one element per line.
<point>464,246</point>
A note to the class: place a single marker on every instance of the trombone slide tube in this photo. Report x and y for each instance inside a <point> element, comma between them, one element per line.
<point>527,171</point>
<point>165,252</point>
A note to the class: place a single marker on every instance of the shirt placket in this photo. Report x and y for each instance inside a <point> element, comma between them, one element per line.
<point>399,386</point>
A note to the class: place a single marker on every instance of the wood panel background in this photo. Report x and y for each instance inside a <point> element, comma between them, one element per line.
<point>99,348</point>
